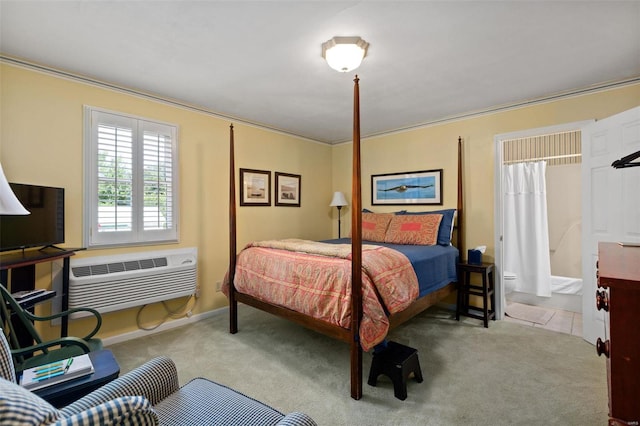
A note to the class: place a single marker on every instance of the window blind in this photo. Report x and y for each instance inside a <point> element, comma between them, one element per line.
<point>555,149</point>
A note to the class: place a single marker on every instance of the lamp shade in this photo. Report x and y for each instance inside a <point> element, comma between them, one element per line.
<point>338,200</point>
<point>9,204</point>
<point>344,54</point>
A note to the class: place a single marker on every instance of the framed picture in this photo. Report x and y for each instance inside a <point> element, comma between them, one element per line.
<point>417,188</point>
<point>255,189</point>
<point>287,190</point>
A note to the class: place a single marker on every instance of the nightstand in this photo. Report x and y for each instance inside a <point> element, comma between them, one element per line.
<point>486,291</point>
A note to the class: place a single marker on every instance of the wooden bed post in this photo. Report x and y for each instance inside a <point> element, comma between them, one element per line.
<point>460,240</point>
<point>233,303</point>
<point>356,252</point>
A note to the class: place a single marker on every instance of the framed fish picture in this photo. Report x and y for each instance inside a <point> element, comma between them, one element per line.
<point>416,188</point>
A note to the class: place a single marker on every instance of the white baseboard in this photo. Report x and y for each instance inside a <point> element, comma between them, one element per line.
<point>166,326</point>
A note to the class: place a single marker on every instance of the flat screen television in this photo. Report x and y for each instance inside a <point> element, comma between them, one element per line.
<point>43,227</point>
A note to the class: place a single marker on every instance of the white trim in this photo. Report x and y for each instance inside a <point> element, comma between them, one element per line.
<point>164,327</point>
<point>86,170</point>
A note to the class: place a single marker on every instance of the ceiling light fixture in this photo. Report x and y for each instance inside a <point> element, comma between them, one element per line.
<point>344,54</point>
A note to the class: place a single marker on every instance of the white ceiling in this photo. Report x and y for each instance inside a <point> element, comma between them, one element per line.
<point>261,62</point>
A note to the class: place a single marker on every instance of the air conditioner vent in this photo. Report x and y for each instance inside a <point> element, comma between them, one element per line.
<point>131,265</point>
<point>147,264</point>
<point>115,267</point>
<point>82,271</point>
<point>99,269</point>
<point>159,262</point>
<point>110,283</point>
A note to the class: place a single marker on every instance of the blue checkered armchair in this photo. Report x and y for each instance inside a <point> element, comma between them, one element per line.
<point>147,395</point>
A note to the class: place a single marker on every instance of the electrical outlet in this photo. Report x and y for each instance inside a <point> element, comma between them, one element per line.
<point>219,286</point>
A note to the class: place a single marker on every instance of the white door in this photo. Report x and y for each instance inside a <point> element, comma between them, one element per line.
<point>610,201</point>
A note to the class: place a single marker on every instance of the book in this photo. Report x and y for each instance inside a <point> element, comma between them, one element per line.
<point>56,372</point>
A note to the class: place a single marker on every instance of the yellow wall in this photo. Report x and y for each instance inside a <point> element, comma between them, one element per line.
<point>435,147</point>
<point>42,143</point>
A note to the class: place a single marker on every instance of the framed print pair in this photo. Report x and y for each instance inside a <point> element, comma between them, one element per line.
<point>255,188</point>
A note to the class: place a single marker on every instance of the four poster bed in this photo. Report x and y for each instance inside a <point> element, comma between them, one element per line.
<point>352,292</point>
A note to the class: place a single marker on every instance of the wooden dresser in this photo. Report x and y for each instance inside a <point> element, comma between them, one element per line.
<point>618,294</point>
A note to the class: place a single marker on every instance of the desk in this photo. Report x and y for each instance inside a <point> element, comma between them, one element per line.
<point>22,265</point>
<point>62,394</point>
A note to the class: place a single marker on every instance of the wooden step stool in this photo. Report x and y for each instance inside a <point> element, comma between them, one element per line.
<point>396,362</point>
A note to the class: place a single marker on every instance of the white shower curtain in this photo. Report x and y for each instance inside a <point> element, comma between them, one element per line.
<point>526,230</point>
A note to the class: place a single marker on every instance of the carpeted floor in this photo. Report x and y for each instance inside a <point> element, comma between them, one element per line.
<point>508,374</point>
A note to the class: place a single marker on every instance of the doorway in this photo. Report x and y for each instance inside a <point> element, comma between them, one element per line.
<point>568,232</point>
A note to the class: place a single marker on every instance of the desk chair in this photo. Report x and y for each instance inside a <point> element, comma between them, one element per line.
<point>42,352</point>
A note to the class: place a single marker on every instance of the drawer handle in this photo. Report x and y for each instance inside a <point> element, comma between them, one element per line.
<point>602,347</point>
<point>602,300</point>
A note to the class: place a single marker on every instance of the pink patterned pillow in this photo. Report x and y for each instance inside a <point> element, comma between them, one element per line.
<point>374,226</point>
<point>414,229</point>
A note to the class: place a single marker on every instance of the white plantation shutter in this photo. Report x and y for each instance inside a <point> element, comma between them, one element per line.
<point>115,177</point>
<point>157,178</point>
<point>130,180</point>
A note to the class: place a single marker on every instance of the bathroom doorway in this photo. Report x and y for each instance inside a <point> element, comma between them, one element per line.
<point>555,150</point>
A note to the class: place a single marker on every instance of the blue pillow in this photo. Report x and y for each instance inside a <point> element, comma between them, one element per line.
<point>446,225</point>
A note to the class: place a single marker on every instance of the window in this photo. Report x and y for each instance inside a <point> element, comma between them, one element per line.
<point>130,180</point>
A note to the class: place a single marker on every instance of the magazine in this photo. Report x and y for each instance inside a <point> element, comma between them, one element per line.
<point>56,372</point>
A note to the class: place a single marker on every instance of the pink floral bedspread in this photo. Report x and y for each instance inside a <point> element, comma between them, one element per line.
<point>315,279</point>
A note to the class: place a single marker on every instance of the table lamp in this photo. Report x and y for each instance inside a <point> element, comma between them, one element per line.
<point>338,201</point>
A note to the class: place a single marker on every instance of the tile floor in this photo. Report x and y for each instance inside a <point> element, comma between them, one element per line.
<point>561,321</point>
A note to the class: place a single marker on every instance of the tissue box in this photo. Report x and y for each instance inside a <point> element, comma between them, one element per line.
<point>474,257</point>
